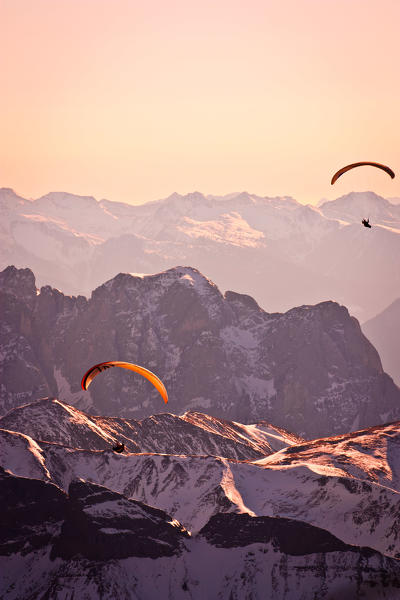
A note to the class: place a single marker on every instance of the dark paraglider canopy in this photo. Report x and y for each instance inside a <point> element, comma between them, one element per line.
<point>365,222</point>
<point>119,448</point>
<point>387,170</point>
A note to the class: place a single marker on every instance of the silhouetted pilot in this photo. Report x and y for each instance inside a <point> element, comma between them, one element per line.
<point>365,222</point>
<point>119,448</point>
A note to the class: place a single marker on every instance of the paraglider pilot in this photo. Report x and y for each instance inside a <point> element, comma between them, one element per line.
<point>119,448</point>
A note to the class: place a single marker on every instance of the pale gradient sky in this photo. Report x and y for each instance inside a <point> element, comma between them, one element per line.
<point>132,100</point>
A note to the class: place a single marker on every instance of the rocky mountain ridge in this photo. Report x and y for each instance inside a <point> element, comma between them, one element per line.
<point>50,420</point>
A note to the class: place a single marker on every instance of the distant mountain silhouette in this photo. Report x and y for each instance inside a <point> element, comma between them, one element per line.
<point>383,331</point>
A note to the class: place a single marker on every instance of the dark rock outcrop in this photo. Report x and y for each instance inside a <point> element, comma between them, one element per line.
<point>103,525</point>
<point>90,522</point>
<point>32,512</point>
<point>291,537</point>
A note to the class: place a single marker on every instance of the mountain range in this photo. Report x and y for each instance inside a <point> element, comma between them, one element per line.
<point>315,519</point>
<point>281,252</point>
<point>275,473</point>
<point>309,370</point>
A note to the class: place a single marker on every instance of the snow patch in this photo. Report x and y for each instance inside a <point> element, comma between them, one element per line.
<point>230,228</point>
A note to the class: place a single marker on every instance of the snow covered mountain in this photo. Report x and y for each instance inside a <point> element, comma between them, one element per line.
<point>367,205</point>
<point>348,485</point>
<point>53,421</point>
<point>384,332</point>
<point>96,543</point>
<point>82,522</point>
<point>309,370</point>
<point>282,252</point>
<point>192,489</point>
<point>369,454</point>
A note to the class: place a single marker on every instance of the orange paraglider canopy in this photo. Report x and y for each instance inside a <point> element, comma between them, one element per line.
<point>96,369</point>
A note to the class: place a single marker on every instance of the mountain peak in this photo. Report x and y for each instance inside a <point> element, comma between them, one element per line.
<point>65,199</point>
<point>187,276</point>
<point>6,191</point>
<point>9,200</point>
<point>354,206</point>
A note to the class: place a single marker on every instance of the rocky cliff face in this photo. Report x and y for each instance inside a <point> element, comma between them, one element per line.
<point>309,370</point>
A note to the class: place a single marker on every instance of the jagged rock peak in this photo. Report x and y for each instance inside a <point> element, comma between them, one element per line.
<point>20,282</point>
<point>186,276</point>
<point>49,419</point>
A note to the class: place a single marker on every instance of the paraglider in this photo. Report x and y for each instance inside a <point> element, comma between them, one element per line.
<point>119,448</point>
<point>387,170</point>
<point>365,222</point>
<point>96,369</point>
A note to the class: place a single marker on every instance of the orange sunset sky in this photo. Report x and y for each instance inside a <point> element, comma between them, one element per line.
<point>132,100</point>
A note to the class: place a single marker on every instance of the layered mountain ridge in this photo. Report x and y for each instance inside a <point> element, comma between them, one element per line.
<point>278,250</point>
<point>347,484</point>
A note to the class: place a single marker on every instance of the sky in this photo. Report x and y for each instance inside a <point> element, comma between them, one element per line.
<point>133,100</point>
